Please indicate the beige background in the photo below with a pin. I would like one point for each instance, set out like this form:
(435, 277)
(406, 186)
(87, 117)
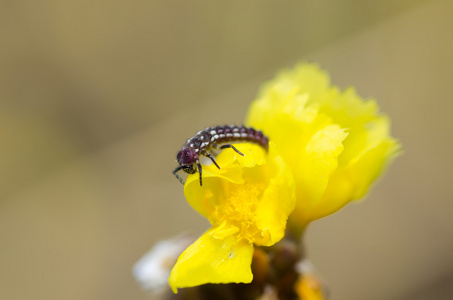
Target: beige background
(97, 96)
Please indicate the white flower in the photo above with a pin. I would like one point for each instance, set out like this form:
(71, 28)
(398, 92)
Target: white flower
(153, 269)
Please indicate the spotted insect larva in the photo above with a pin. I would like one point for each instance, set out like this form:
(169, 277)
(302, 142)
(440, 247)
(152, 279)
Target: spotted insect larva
(189, 156)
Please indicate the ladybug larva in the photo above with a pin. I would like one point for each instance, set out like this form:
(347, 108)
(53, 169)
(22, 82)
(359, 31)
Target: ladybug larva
(205, 140)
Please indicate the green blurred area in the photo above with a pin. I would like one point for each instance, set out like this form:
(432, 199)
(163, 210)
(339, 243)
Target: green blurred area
(96, 97)
(79, 75)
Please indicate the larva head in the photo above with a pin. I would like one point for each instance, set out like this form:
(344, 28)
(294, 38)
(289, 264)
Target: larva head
(186, 157)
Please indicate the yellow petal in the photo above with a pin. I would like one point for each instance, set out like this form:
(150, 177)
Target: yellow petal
(276, 203)
(353, 182)
(205, 198)
(314, 168)
(211, 260)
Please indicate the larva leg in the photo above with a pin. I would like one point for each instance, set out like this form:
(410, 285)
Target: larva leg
(200, 170)
(211, 157)
(232, 147)
(174, 173)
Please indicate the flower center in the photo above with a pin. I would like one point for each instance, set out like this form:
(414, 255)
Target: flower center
(238, 211)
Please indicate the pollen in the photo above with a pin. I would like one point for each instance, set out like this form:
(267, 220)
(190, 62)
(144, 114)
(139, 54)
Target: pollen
(238, 210)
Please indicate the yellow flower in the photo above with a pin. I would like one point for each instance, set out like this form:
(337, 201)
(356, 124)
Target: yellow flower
(309, 287)
(335, 143)
(247, 202)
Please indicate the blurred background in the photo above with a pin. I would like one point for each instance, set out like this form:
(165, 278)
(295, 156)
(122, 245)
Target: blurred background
(97, 97)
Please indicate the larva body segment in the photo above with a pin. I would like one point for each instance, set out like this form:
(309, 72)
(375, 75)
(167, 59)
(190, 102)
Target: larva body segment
(205, 140)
